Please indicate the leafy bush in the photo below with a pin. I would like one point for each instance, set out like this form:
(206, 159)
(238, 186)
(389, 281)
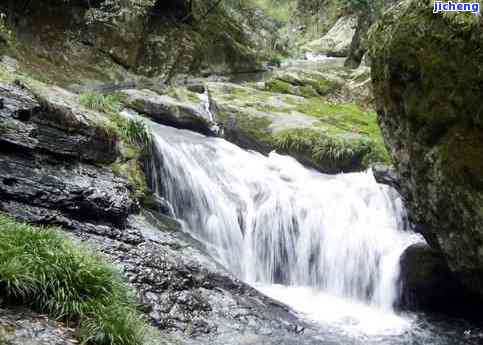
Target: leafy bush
(44, 270)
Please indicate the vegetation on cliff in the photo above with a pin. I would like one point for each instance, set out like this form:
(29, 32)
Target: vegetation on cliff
(44, 270)
(136, 139)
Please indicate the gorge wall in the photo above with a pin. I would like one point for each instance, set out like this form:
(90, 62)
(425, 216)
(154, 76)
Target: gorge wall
(426, 74)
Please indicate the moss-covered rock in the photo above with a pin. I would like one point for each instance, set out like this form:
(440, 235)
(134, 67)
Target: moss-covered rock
(427, 77)
(328, 136)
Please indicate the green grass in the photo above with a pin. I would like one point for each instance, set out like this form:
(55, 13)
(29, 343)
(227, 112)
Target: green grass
(101, 102)
(133, 131)
(136, 140)
(42, 269)
(320, 146)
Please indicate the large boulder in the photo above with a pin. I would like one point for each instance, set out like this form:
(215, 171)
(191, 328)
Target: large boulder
(338, 40)
(426, 282)
(428, 82)
(169, 111)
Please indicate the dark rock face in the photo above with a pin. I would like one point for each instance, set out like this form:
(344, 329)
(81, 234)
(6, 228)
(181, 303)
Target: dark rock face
(22, 327)
(427, 80)
(52, 124)
(187, 296)
(386, 175)
(81, 191)
(427, 283)
(102, 40)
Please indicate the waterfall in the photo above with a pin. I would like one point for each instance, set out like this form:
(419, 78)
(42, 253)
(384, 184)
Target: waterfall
(270, 220)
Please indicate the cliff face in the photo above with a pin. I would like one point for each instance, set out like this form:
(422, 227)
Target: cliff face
(427, 77)
(113, 41)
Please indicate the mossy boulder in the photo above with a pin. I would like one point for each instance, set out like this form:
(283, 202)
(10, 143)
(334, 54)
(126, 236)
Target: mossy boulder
(428, 81)
(328, 136)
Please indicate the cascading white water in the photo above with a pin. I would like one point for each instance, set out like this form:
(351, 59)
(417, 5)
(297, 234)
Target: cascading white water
(271, 220)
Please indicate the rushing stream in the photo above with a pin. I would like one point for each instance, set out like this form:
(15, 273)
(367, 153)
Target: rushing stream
(328, 246)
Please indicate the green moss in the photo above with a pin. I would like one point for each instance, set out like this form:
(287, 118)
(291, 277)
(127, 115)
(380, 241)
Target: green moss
(308, 91)
(324, 86)
(42, 269)
(279, 86)
(462, 153)
(329, 153)
(5, 75)
(255, 127)
(412, 61)
(136, 140)
(183, 94)
(130, 167)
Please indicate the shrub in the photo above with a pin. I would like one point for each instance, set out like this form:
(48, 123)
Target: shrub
(42, 269)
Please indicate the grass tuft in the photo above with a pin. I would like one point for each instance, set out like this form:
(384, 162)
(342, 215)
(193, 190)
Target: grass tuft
(330, 151)
(134, 131)
(104, 103)
(42, 269)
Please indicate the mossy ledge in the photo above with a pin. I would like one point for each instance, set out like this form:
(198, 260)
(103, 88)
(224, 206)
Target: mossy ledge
(42, 269)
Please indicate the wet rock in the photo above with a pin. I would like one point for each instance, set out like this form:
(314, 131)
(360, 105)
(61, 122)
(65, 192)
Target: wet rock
(23, 327)
(386, 175)
(84, 192)
(48, 121)
(169, 111)
(427, 283)
(432, 124)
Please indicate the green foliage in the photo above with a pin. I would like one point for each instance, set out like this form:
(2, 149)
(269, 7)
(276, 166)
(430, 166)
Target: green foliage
(280, 10)
(356, 5)
(133, 131)
(42, 269)
(104, 103)
(136, 139)
(6, 35)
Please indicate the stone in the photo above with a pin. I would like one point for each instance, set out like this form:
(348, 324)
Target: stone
(387, 175)
(338, 40)
(24, 327)
(169, 111)
(426, 283)
(50, 120)
(428, 83)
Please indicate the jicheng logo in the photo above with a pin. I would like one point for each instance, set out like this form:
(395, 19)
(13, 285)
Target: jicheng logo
(473, 7)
